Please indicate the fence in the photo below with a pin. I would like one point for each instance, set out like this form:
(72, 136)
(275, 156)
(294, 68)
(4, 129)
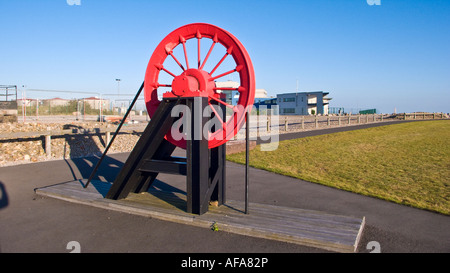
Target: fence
(294, 123)
(100, 137)
(8, 92)
(414, 116)
(36, 104)
(46, 137)
(8, 103)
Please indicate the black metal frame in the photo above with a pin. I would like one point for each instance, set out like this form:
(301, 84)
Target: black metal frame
(94, 171)
(204, 168)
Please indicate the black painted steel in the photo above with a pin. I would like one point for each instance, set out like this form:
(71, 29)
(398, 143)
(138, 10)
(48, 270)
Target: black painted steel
(94, 171)
(247, 159)
(204, 168)
(151, 145)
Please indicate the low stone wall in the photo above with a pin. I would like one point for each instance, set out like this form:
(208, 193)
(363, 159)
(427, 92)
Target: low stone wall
(32, 149)
(8, 111)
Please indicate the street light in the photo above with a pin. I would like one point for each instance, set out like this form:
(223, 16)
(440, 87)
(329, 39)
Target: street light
(118, 86)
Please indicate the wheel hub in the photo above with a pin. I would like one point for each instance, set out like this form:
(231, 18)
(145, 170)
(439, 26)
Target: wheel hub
(192, 83)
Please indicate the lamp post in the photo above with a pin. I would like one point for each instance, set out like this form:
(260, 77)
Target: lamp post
(118, 86)
(78, 109)
(24, 106)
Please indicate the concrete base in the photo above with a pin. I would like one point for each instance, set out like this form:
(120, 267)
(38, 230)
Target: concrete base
(304, 227)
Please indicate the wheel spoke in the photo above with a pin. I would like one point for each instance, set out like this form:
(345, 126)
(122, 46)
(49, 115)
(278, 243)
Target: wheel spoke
(217, 115)
(199, 36)
(222, 102)
(168, 72)
(161, 67)
(156, 85)
(225, 88)
(240, 89)
(223, 74)
(183, 41)
(176, 60)
(229, 50)
(198, 47)
(237, 69)
(217, 65)
(215, 40)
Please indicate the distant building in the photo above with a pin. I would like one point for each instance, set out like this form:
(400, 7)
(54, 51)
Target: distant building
(232, 96)
(26, 102)
(303, 103)
(336, 110)
(268, 103)
(261, 95)
(56, 102)
(368, 111)
(96, 102)
(342, 111)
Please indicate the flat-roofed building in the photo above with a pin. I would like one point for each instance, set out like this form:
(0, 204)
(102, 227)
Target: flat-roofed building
(303, 103)
(232, 96)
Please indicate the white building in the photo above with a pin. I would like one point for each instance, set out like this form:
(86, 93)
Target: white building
(303, 103)
(96, 102)
(232, 96)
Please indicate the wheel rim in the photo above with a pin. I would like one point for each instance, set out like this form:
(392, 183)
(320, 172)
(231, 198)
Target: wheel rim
(199, 79)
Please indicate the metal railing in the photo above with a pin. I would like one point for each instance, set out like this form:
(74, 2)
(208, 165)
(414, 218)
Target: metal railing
(8, 92)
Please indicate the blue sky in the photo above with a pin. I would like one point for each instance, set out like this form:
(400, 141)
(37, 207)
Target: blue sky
(393, 55)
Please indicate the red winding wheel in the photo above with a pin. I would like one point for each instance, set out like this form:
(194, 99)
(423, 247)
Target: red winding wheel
(170, 72)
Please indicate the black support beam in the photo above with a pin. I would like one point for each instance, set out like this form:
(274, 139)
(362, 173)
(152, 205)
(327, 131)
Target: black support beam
(204, 168)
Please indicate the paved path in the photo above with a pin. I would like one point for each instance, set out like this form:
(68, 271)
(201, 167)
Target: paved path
(30, 223)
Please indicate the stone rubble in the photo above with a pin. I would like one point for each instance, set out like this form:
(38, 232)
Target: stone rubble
(32, 149)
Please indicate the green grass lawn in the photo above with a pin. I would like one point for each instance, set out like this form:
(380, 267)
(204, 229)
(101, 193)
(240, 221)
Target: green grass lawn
(406, 163)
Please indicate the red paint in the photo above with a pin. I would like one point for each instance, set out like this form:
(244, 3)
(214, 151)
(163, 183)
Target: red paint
(196, 82)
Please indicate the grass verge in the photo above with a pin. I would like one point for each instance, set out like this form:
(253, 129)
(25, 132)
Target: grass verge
(406, 163)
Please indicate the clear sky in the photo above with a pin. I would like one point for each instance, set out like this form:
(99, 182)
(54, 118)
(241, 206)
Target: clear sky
(393, 55)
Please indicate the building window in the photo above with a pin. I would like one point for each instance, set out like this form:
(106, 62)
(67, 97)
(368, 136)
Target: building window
(288, 110)
(288, 99)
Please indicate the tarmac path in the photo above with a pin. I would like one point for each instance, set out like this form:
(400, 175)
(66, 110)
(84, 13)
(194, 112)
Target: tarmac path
(31, 223)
